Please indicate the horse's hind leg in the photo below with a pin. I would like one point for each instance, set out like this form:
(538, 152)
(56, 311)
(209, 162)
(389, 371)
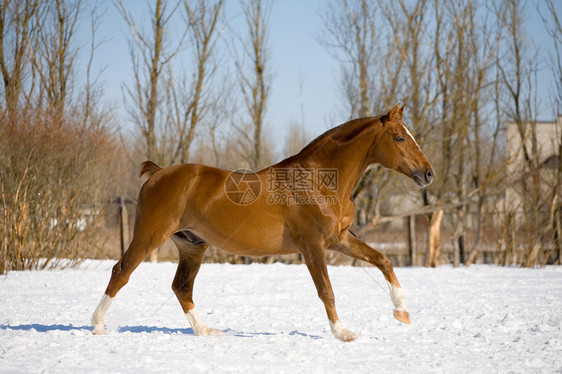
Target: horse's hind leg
(352, 246)
(191, 250)
(141, 246)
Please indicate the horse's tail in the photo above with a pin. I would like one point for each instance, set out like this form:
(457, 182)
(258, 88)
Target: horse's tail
(148, 168)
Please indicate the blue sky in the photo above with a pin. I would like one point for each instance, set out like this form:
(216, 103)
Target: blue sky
(306, 77)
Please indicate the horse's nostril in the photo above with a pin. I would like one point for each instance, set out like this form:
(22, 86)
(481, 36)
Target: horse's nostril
(429, 175)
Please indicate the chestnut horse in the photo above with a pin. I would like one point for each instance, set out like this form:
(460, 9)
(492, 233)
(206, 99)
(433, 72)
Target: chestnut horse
(301, 204)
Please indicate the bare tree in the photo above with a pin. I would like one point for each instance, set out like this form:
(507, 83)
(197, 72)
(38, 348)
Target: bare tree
(454, 64)
(553, 24)
(18, 29)
(54, 155)
(55, 56)
(465, 46)
(352, 37)
(517, 70)
(150, 53)
(409, 22)
(192, 101)
(91, 90)
(352, 34)
(255, 78)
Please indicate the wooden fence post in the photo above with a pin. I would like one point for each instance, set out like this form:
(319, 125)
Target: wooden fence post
(412, 239)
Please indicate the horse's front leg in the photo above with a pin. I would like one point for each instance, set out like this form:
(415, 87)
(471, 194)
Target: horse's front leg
(316, 263)
(352, 246)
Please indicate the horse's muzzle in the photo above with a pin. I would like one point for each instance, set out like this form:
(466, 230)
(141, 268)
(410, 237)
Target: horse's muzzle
(422, 178)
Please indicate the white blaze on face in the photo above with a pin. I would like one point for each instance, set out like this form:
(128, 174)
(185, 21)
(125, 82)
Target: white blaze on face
(410, 134)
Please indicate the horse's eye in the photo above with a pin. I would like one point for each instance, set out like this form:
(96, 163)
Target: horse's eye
(400, 139)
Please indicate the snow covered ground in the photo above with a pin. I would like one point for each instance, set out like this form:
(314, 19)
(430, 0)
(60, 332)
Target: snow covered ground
(482, 319)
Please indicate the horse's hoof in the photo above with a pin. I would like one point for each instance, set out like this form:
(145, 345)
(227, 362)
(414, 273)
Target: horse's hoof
(349, 337)
(345, 335)
(342, 333)
(207, 331)
(402, 316)
(214, 332)
(97, 332)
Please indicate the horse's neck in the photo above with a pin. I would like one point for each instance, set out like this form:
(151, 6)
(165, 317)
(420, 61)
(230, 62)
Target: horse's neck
(344, 148)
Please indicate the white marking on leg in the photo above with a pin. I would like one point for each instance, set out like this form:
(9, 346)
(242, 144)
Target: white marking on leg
(398, 298)
(199, 328)
(196, 323)
(341, 332)
(100, 313)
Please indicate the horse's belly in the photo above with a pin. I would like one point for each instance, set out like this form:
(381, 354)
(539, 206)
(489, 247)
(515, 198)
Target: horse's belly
(244, 233)
(251, 227)
(259, 243)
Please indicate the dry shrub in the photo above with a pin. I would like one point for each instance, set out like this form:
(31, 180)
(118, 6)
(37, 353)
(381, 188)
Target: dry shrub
(54, 176)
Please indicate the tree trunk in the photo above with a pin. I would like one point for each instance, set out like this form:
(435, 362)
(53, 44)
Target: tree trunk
(123, 224)
(458, 241)
(474, 250)
(558, 235)
(434, 253)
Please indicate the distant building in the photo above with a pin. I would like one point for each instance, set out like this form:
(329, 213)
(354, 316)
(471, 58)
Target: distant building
(548, 146)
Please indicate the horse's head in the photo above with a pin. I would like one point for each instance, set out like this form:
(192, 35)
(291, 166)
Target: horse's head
(395, 148)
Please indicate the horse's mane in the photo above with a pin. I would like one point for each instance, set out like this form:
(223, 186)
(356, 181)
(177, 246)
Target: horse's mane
(354, 126)
(344, 132)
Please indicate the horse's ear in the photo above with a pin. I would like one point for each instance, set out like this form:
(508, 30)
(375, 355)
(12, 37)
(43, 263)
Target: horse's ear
(402, 111)
(392, 115)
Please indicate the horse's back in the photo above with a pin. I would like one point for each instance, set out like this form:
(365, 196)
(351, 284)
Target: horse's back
(221, 207)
